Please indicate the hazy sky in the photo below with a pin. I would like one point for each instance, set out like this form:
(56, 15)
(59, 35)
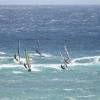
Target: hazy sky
(48, 2)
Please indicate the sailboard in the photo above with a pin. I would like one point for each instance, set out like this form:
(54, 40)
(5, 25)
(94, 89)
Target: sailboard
(27, 63)
(64, 66)
(66, 59)
(17, 55)
(38, 51)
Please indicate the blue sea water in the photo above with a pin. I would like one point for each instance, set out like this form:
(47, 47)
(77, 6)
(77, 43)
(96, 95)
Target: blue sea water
(77, 27)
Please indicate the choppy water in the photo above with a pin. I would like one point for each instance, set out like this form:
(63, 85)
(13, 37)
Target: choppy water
(77, 27)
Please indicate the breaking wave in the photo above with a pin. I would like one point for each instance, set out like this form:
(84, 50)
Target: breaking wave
(47, 55)
(2, 53)
(84, 61)
(17, 72)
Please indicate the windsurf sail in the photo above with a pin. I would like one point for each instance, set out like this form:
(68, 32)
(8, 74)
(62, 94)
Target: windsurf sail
(19, 49)
(38, 44)
(38, 51)
(27, 61)
(62, 56)
(66, 59)
(17, 55)
(67, 53)
(27, 58)
(64, 62)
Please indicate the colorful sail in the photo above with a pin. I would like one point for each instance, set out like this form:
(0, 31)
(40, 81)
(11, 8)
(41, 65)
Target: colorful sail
(27, 64)
(27, 58)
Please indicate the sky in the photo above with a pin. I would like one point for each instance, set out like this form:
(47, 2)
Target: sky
(49, 2)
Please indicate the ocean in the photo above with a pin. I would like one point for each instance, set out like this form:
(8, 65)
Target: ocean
(77, 27)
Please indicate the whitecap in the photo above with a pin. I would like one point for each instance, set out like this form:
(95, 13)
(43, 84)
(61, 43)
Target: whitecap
(9, 65)
(3, 57)
(68, 89)
(55, 79)
(43, 54)
(35, 69)
(86, 96)
(54, 66)
(86, 60)
(70, 98)
(17, 72)
(2, 53)
(47, 55)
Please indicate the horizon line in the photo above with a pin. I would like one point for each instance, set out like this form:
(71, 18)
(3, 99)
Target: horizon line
(49, 4)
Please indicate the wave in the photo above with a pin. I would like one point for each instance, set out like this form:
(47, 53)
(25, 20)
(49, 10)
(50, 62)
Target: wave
(54, 66)
(86, 96)
(9, 65)
(3, 57)
(47, 55)
(17, 66)
(86, 60)
(68, 89)
(75, 98)
(70, 98)
(2, 53)
(54, 21)
(17, 72)
(35, 67)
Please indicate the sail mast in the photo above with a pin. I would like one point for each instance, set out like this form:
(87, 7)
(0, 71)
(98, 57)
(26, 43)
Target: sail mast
(67, 53)
(19, 49)
(38, 49)
(38, 46)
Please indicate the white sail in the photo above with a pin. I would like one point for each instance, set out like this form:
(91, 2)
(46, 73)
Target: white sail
(17, 55)
(61, 56)
(67, 53)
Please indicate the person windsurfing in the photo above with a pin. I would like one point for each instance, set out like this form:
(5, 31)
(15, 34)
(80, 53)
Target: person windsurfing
(17, 55)
(38, 52)
(38, 49)
(27, 63)
(66, 60)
